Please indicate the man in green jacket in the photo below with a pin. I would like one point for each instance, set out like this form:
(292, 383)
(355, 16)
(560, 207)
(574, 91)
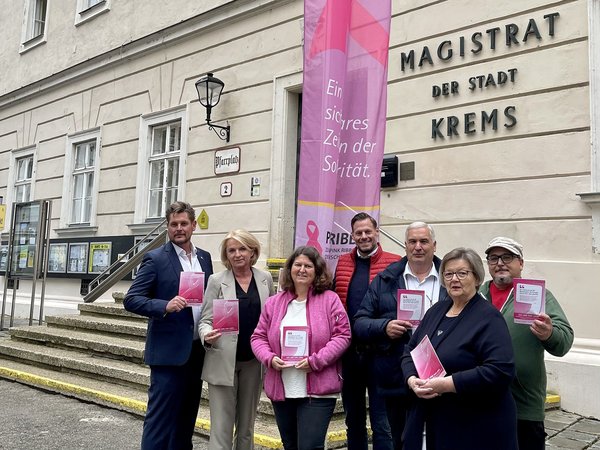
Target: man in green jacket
(550, 332)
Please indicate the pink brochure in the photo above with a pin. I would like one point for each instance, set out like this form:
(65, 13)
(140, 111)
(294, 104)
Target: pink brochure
(411, 306)
(191, 287)
(426, 360)
(226, 316)
(294, 345)
(530, 299)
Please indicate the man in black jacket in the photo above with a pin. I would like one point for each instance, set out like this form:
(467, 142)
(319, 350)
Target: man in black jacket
(376, 323)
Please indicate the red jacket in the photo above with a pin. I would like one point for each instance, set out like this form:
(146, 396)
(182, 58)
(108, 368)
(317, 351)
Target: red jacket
(347, 264)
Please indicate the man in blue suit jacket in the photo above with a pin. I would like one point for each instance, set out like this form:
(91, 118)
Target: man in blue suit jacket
(173, 351)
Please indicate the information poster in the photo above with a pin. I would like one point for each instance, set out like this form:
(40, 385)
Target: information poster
(57, 258)
(530, 300)
(191, 287)
(426, 360)
(411, 306)
(77, 261)
(99, 259)
(295, 343)
(226, 315)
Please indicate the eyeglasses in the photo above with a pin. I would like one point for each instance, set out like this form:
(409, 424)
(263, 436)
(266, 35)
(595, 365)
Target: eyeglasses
(506, 258)
(461, 275)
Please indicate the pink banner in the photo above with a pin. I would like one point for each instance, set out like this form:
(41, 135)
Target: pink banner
(343, 119)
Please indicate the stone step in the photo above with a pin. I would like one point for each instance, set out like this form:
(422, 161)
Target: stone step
(108, 309)
(112, 325)
(93, 365)
(78, 362)
(131, 349)
(552, 401)
(134, 401)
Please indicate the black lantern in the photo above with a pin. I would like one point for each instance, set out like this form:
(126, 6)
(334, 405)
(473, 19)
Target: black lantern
(209, 93)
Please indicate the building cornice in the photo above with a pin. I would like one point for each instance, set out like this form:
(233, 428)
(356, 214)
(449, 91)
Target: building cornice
(233, 10)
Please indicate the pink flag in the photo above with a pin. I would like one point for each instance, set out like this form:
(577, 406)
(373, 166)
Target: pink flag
(343, 119)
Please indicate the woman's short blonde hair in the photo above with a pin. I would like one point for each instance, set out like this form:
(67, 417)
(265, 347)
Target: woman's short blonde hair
(246, 239)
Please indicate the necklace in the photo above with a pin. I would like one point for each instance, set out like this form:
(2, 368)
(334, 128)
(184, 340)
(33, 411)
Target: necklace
(451, 313)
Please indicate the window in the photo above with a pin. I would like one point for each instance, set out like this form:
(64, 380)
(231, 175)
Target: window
(80, 189)
(161, 164)
(88, 9)
(164, 167)
(34, 30)
(23, 178)
(83, 182)
(36, 24)
(38, 19)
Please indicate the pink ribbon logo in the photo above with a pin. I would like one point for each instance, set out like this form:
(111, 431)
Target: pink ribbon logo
(312, 231)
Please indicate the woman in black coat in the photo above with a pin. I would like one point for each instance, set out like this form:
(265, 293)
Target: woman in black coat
(471, 408)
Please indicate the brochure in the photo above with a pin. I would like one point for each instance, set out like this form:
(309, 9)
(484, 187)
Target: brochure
(411, 306)
(295, 343)
(426, 360)
(191, 287)
(226, 316)
(530, 299)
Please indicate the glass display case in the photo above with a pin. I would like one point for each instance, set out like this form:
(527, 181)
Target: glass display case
(99, 259)
(57, 258)
(26, 228)
(27, 253)
(77, 258)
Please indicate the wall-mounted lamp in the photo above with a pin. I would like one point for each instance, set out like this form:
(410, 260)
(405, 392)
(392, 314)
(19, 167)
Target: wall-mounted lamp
(209, 93)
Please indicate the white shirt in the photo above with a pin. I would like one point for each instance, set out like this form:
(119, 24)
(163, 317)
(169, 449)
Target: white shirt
(294, 380)
(189, 263)
(430, 285)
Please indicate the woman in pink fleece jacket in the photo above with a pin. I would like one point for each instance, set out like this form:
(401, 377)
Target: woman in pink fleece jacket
(304, 381)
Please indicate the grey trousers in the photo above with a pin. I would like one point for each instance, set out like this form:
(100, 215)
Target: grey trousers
(235, 407)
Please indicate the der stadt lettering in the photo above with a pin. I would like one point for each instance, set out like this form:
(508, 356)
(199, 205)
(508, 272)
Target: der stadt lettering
(509, 35)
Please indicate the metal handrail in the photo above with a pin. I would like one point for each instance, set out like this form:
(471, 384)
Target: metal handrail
(392, 238)
(125, 264)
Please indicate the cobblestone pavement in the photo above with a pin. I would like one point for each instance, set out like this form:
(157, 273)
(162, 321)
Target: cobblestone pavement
(571, 431)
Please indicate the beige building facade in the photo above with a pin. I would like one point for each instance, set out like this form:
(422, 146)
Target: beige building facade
(493, 112)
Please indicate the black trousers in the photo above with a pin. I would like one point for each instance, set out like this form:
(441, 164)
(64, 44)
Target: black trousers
(531, 435)
(396, 407)
(303, 422)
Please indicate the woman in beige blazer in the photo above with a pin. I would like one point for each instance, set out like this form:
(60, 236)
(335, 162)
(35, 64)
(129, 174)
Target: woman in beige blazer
(232, 372)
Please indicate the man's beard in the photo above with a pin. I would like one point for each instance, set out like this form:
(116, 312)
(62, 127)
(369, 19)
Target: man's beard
(503, 280)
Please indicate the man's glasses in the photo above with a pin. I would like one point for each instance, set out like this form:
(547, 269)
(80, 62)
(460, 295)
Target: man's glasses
(506, 258)
(461, 275)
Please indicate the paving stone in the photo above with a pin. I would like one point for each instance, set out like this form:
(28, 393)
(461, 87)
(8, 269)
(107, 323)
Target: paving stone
(562, 442)
(587, 426)
(585, 438)
(552, 425)
(562, 416)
